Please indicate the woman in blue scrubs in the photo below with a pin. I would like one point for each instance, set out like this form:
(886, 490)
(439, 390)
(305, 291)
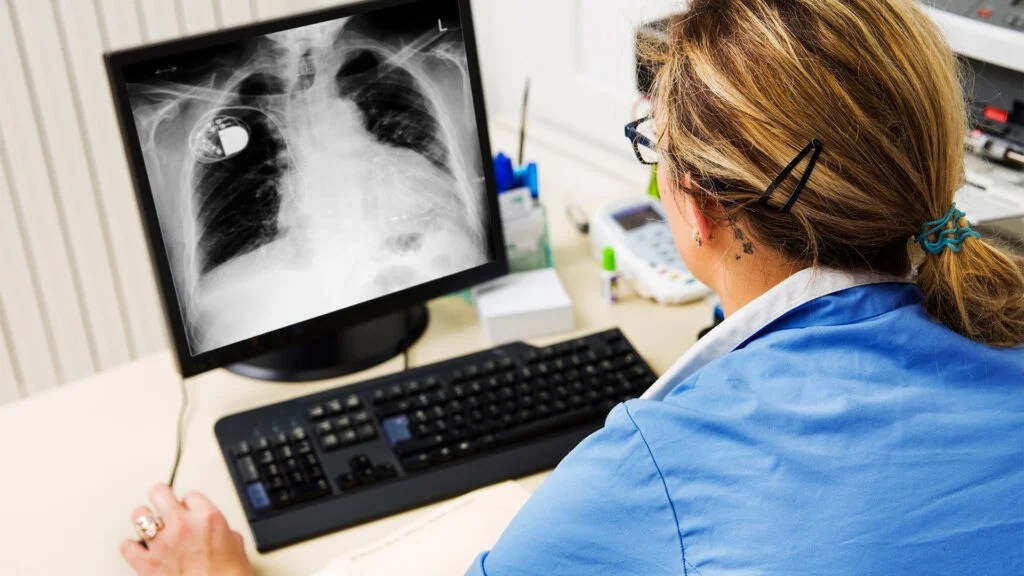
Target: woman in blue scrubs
(861, 409)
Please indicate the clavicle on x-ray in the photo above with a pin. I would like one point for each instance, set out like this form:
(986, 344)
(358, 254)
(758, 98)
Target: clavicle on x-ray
(303, 172)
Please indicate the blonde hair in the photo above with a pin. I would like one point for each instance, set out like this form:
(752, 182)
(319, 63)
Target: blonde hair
(746, 84)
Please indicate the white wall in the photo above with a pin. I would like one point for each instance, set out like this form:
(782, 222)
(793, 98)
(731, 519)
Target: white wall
(578, 55)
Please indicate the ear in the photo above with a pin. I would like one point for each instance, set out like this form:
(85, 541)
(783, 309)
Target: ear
(698, 218)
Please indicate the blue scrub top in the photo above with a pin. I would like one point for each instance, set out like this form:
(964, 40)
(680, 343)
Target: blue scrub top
(853, 436)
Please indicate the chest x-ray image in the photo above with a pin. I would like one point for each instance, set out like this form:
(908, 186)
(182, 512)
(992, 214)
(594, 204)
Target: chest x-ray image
(309, 170)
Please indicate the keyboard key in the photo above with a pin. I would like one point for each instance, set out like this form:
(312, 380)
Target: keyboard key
(421, 401)
(275, 483)
(242, 449)
(352, 402)
(342, 422)
(247, 469)
(360, 418)
(330, 442)
(279, 439)
(418, 445)
(348, 437)
(540, 427)
(258, 498)
(386, 471)
(316, 413)
(367, 475)
(282, 498)
(298, 434)
(397, 429)
(324, 427)
(464, 448)
(285, 452)
(416, 462)
(333, 407)
(413, 388)
(260, 443)
(303, 447)
(380, 396)
(311, 491)
(395, 392)
(366, 432)
(360, 461)
(265, 457)
(348, 481)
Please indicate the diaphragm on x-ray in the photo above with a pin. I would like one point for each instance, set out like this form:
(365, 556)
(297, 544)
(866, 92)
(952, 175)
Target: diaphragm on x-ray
(306, 171)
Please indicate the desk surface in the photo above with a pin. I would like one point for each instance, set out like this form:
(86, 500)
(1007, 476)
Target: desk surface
(76, 460)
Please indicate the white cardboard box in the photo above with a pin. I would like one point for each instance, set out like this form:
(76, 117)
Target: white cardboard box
(524, 305)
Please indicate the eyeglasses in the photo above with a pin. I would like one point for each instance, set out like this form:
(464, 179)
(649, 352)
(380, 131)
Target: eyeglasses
(642, 133)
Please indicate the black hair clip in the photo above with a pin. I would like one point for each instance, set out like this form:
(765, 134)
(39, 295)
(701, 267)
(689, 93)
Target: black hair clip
(815, 146)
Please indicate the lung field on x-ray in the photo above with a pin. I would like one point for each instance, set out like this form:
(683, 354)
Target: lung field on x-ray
(309, 170)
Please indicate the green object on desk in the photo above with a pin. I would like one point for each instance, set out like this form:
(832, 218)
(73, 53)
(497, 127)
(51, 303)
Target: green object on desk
(652, 188)
(609, 259)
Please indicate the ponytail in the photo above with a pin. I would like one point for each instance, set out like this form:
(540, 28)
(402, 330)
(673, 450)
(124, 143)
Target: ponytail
(978, 292)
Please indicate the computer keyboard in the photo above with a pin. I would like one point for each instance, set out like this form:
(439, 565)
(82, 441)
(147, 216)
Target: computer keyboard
(332, 460)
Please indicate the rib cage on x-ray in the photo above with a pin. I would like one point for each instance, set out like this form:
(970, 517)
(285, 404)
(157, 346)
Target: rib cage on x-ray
(335, 165)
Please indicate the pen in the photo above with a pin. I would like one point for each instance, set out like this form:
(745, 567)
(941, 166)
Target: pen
(522, 123)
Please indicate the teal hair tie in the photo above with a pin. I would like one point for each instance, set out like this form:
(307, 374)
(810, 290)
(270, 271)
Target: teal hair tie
(952, 238)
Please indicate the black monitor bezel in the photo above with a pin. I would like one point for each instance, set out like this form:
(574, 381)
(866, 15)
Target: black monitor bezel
(190, 365)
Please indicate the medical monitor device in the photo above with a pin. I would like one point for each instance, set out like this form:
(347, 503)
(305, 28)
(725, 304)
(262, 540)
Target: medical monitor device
(307, 183)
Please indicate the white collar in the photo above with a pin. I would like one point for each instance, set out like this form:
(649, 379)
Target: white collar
(800, 288)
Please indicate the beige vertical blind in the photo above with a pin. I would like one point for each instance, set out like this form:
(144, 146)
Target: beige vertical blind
(77, 294)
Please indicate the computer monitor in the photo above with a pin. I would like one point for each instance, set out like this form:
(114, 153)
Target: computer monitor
(308, 183)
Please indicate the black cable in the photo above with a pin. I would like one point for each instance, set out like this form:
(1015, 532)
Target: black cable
(408, 344)
(180, 434)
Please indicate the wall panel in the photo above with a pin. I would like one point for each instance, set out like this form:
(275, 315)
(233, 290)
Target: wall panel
(73, 184)
(86, 41)
(21, 315)
(198, 15)
(8, 381)
(32, 185)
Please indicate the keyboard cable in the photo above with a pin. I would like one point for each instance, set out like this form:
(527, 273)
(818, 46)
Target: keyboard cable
(179, 437)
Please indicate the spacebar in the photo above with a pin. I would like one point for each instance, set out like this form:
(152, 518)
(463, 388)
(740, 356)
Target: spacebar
(540, 427)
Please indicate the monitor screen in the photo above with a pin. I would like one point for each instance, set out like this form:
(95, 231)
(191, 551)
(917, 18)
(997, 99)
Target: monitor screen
(310, 166)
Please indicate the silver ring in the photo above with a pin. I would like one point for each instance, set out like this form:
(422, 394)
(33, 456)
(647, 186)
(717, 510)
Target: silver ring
(148, 525)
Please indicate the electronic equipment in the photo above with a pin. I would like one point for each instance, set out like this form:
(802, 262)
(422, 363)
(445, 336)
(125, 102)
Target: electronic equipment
(645, 250)
(990, 31)
(317, 464)
(308, 183)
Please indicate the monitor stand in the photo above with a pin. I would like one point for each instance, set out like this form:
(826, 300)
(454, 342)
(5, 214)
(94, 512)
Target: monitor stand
(354, 349)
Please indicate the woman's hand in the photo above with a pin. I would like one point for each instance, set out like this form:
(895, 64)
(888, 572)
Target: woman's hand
(195, 540)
